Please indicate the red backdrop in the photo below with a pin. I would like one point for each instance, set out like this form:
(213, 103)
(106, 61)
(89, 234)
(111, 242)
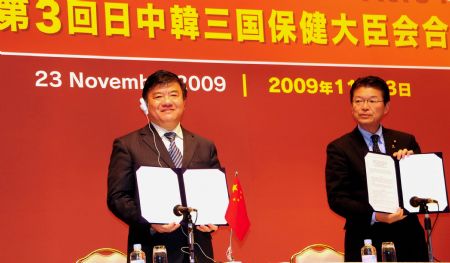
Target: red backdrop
(273, 130)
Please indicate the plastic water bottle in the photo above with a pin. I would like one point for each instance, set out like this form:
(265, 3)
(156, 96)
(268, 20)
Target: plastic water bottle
(368, 252)
(137, 256)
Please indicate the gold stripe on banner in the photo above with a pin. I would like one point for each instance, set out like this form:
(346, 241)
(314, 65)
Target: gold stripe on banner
(244, 85)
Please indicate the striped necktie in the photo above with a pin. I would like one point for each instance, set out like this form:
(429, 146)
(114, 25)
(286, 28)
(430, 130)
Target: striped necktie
(174, 152)
(375, 147)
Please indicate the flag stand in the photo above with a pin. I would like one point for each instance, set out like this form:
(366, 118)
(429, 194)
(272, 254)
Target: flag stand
(229, 252)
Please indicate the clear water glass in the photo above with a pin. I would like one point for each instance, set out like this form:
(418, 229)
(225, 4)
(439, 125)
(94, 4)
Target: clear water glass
(159, 254)
(388, 252)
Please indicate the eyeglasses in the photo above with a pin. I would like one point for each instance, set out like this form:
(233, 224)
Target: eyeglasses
(371, 101)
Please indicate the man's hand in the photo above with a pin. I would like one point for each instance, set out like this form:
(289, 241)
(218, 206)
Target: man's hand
(165, 228)
(207, 228)
(390, 218)
(402, 153)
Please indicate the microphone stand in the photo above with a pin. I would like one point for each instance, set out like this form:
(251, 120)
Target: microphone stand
(190, 238)
(427, 223)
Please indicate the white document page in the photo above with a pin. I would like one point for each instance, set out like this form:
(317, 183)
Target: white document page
(159, 193)
(381, 182)
(206, 191)
(422, 175)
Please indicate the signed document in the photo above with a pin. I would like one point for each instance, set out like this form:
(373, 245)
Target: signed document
(382, 182)
(422, 175)
(392, 184)
(161, 189)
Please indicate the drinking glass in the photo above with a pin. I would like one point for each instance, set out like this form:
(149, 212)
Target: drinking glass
(388, 252)
(159, 254)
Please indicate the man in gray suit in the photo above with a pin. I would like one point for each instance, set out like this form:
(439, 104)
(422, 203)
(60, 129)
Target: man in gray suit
(165, 97)
(346, 177)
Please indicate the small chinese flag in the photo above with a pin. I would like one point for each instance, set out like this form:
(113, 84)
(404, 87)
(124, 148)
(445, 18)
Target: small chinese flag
(236, 215)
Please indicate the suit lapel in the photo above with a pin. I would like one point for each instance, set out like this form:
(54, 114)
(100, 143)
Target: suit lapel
(360, 149)
(359, 144)
(390, 141)
(147, 137)
(189, 147)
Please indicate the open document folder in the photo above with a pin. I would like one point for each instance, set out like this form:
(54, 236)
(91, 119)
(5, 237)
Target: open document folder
(392, 184)
(161, 189)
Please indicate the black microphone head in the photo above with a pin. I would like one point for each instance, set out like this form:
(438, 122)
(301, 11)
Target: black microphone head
(177, 210)
(414, 201)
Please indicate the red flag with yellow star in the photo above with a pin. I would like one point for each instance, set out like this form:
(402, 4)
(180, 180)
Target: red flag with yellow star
(236, 215)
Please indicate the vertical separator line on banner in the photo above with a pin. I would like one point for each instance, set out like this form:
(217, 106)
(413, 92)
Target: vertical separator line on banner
(244, 85)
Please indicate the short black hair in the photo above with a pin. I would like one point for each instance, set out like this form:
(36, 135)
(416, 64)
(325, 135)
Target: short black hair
(372, 82)
(162, 77)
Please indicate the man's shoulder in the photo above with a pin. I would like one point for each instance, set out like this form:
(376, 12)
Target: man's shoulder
(397, 133)
(346, 138)
(355, 134)
(196, 137)
(133, 134)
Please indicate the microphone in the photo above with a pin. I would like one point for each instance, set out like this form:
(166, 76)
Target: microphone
(180, 210)
(416, 201)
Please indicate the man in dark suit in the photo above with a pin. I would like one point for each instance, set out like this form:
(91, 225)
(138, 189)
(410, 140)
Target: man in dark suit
(164, 94)
(346, 177)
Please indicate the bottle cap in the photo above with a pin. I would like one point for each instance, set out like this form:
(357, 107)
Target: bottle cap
(367, 242)
(137, 247)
